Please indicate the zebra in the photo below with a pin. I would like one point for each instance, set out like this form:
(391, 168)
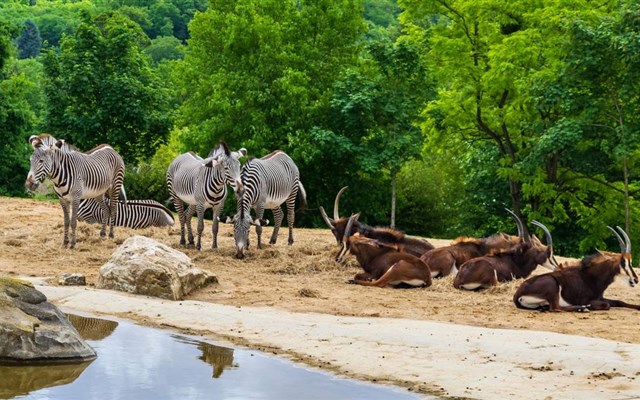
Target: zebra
(268, 182)
(97, 174)
(201, 184)
(136, 214)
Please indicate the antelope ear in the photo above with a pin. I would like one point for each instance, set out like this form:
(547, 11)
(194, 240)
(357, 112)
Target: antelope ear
(600, 252)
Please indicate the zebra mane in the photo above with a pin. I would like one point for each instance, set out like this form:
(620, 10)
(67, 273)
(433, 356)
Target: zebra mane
(273, 153)
(49, 140)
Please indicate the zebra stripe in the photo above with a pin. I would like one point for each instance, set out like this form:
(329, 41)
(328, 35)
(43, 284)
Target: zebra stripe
(135, 214)
(201, 184)
(96, 174)
(268, 182)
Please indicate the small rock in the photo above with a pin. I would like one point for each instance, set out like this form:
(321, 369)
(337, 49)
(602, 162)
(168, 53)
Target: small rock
(72, 280)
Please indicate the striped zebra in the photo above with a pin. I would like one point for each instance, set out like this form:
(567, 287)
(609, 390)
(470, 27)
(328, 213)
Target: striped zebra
(268, 182)
(97, 174)
(136, 214)
(201, 184)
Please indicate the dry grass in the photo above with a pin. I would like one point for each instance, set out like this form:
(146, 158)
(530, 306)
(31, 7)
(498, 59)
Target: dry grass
(302, 277)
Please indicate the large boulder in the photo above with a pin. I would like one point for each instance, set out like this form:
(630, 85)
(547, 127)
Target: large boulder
(33, 330)
(144, 266)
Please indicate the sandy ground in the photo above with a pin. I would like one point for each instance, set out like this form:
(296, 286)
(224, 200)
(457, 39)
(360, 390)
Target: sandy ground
(295, 301)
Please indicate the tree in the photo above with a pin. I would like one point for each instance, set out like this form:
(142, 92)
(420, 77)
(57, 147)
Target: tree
(259, 71)
(101, 89)
(29, 41)
(16, 120)
(488, 59)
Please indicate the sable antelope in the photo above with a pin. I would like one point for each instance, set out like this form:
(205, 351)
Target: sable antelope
(519, 261)
(445, 260)
(581, 287)
(382, 262)
(412, 245)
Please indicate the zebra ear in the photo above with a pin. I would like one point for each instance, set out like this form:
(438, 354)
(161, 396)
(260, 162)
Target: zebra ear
(35, 142)
(211, 162)
(60, 143)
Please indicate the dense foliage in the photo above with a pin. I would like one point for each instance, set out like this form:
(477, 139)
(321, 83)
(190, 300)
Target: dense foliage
(437, 114)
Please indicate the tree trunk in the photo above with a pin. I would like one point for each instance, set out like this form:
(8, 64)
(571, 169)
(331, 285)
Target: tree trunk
(393, 199)
(627, 210)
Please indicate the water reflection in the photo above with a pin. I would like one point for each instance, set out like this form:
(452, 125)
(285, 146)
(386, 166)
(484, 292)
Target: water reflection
(17, 381)
(141, 363)
(92, 328)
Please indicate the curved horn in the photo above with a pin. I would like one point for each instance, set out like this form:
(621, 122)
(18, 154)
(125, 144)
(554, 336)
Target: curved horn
(330, 223)
(623, 245)
(518, 222)
(626, 239)
(347, 231)
(547, 234)
(336, 203)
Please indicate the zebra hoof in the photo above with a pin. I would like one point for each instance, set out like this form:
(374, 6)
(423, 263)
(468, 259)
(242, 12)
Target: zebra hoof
(272, 241)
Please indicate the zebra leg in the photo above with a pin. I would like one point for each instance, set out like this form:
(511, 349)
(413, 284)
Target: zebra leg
(105, 215)
(65, 211)
(75, 204)
(113, 209)
(214, 225)
(278, 215)
(291, 214)
(259, 215)
(190, 211)
(200, 214)
(179, 205)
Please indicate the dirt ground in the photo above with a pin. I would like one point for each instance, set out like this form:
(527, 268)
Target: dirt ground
(300, 278)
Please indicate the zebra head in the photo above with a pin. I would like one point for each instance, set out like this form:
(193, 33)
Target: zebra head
(242, 222)
(230, 161)
(41, 161)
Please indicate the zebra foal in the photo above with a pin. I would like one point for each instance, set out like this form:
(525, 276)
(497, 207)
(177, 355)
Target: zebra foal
(268, 182)
(200, 184)
(135, 214)
(97, 174)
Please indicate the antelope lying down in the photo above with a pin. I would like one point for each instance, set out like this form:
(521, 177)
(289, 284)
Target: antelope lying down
(382, 262)
(580, 287)
(412, 245)
(516, 262)
(445, 261)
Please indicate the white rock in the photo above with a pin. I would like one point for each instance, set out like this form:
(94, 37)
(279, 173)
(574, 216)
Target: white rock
(145, 266)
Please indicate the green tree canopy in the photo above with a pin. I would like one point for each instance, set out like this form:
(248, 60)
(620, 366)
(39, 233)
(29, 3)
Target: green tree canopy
(101, 89)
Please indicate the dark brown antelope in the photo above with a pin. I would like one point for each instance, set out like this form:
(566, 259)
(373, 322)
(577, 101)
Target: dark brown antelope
(581, 287)
(519, 261)
(412, 245)
(445, 261)
(383, 263)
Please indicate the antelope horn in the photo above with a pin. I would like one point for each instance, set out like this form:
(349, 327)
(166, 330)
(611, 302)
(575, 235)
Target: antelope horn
(623, 245)
(330, 223)
(347, 231)
(626, 239)
(547, 234)
(336, 204)
(518, 222)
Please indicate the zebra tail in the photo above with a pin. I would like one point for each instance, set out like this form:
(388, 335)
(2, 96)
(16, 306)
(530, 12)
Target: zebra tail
(302, 194)
(123, 195)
